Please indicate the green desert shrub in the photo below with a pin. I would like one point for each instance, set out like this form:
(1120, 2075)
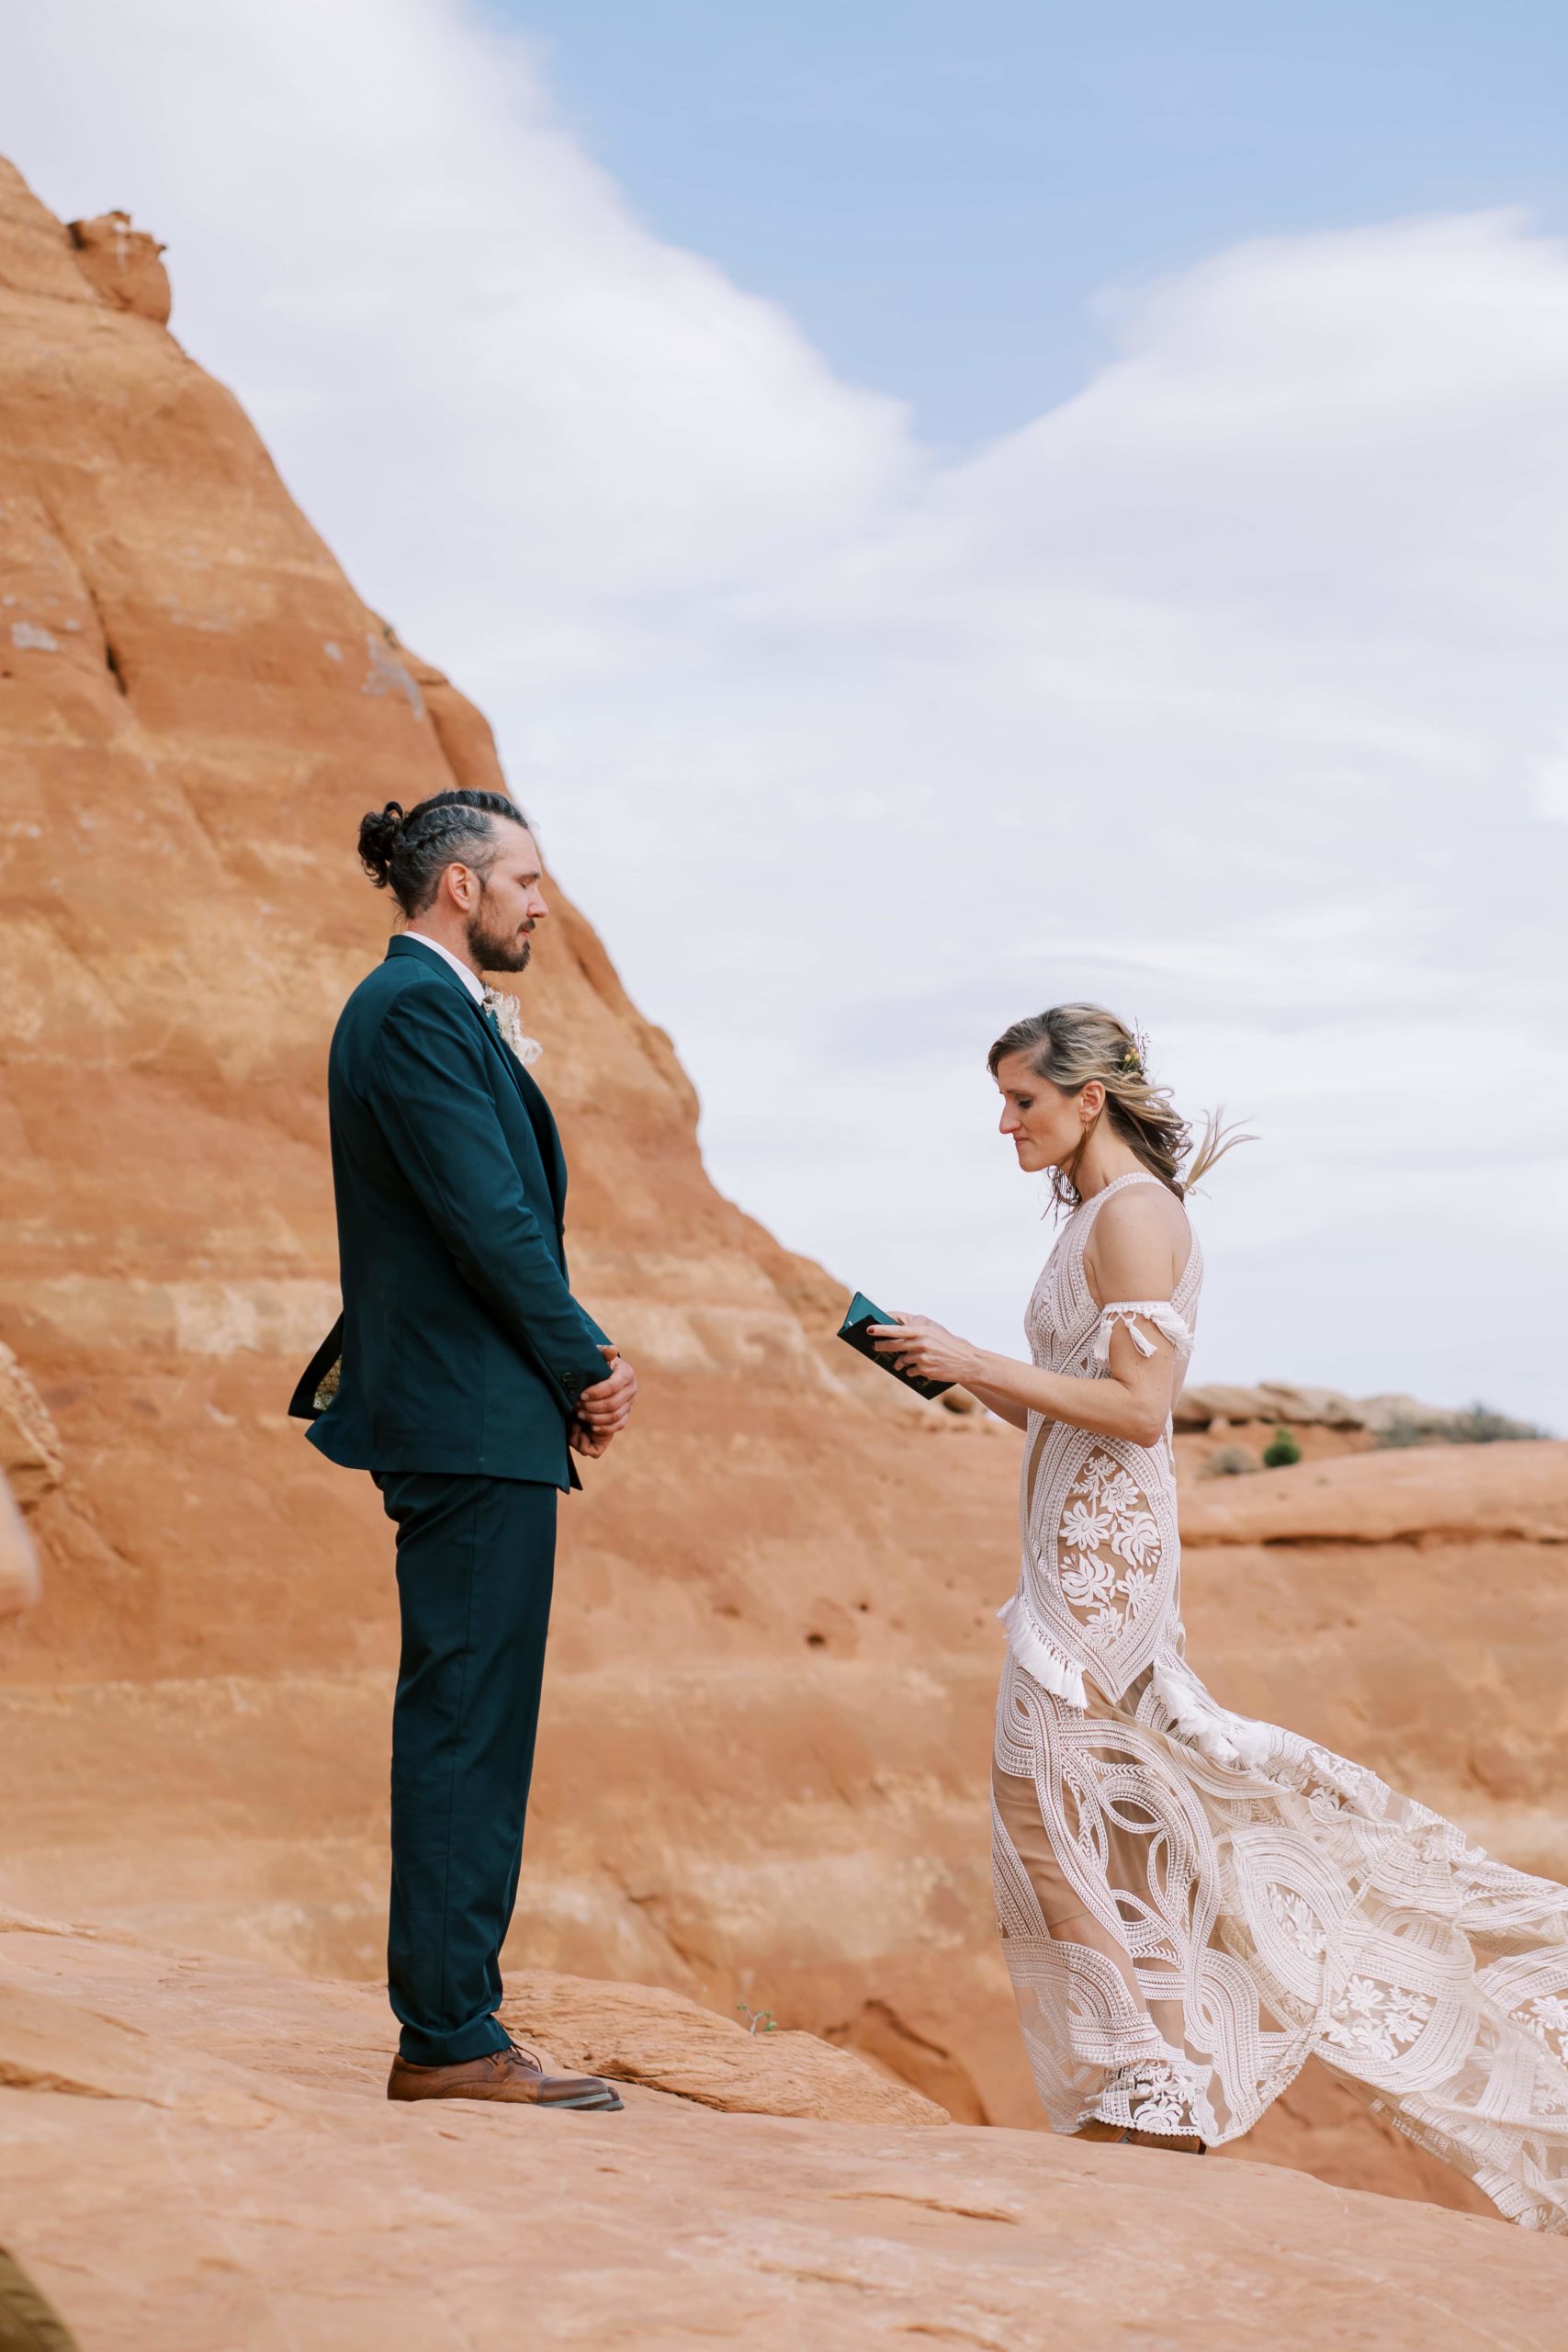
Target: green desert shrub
(1282, 1450)
(1229, 1461)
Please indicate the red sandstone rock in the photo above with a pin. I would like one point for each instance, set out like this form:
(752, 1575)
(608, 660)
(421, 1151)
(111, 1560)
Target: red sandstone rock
(1515, 1492)
(125, 265)
(635, 2034)
(199, 2154)
(30, 1458)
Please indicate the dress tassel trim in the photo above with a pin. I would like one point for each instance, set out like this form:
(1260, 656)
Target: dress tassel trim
(1157, 1311)
(1034, 1654)
(1222, 1737)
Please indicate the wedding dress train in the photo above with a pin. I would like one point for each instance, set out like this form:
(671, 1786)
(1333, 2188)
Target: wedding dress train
(1192, 1904)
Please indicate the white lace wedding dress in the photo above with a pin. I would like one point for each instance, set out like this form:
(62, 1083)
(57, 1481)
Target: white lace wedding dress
(1192, 1904)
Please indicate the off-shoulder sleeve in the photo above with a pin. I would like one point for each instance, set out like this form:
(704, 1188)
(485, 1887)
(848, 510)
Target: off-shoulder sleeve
(1157, 1311)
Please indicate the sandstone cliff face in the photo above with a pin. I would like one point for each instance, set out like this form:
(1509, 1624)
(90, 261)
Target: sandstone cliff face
(763, 1767)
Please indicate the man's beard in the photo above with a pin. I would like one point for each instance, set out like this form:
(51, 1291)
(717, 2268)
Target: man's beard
(491, 954)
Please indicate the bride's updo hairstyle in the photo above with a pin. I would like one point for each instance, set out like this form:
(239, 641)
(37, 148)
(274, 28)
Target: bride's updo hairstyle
(408, 855)
(1074, 1043)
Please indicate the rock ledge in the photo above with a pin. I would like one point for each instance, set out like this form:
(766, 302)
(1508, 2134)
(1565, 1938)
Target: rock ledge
(199, 2151)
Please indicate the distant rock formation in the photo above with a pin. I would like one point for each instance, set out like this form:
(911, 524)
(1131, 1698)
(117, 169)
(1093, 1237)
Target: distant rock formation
(1273, 1401)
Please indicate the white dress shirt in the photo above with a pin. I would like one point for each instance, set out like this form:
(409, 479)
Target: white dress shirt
(470, 980)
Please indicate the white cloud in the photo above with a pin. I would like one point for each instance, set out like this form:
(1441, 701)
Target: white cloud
(1230, 690)
(1548, 780)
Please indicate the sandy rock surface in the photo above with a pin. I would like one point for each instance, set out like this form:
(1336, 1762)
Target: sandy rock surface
(195, 2155)
(762, 1770)
(637, 2034)
(30, 1457)
(1512, 1492)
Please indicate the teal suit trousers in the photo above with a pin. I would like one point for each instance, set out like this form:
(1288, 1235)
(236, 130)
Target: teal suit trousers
(476, 1564)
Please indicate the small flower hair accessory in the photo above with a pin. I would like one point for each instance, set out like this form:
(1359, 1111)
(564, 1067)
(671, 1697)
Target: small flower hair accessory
(1135, 1060)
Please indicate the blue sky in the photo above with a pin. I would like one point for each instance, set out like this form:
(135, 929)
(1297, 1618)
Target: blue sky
(1095, 496)
(939, 194)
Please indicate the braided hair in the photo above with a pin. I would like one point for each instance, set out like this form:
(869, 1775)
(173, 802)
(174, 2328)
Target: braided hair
(409, 854)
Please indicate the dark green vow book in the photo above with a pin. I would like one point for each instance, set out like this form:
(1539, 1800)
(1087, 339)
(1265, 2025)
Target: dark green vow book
(853, 1331)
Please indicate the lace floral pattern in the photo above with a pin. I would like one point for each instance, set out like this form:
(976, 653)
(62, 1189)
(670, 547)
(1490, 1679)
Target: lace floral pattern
(1377, 2020)
(1192, 1905)
(1108, 1543)
(1547, 2019)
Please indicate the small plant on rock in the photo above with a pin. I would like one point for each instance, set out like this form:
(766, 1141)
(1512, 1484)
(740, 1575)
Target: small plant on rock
(757, 2020)
(1282, 1450)
(1229, 1461)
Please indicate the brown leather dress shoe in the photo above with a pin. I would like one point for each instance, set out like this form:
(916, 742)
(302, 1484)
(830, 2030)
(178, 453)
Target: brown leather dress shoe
(514, 2075)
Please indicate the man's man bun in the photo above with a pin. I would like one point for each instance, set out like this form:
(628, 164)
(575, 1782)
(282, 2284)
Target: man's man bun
(378, 837)
(408, 854)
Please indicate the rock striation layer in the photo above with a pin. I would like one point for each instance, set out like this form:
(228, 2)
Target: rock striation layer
(762, 1775)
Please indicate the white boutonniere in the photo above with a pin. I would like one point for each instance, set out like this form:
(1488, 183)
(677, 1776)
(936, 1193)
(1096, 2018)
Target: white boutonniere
(509, 1015)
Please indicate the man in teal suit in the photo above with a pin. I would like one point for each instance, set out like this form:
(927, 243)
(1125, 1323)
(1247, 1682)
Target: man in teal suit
(463, 1376)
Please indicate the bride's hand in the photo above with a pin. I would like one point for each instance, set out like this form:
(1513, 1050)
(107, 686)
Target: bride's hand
(917, 1344)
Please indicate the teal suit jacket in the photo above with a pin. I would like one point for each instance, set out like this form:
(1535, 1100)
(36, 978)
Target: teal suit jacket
(462, 1348)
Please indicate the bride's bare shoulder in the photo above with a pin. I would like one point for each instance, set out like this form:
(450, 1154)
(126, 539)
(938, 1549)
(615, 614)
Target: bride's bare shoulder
(1139, 1242)
(1141, 1208)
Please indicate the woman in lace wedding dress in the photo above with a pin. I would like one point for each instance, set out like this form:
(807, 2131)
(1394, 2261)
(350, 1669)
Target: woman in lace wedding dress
(1192, 1904)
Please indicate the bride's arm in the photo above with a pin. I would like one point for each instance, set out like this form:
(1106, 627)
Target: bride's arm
(1134, 1259)
(995, 1401)
(1134, 1402)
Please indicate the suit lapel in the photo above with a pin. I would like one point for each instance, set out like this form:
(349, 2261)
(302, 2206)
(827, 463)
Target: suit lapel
(541, 1119)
